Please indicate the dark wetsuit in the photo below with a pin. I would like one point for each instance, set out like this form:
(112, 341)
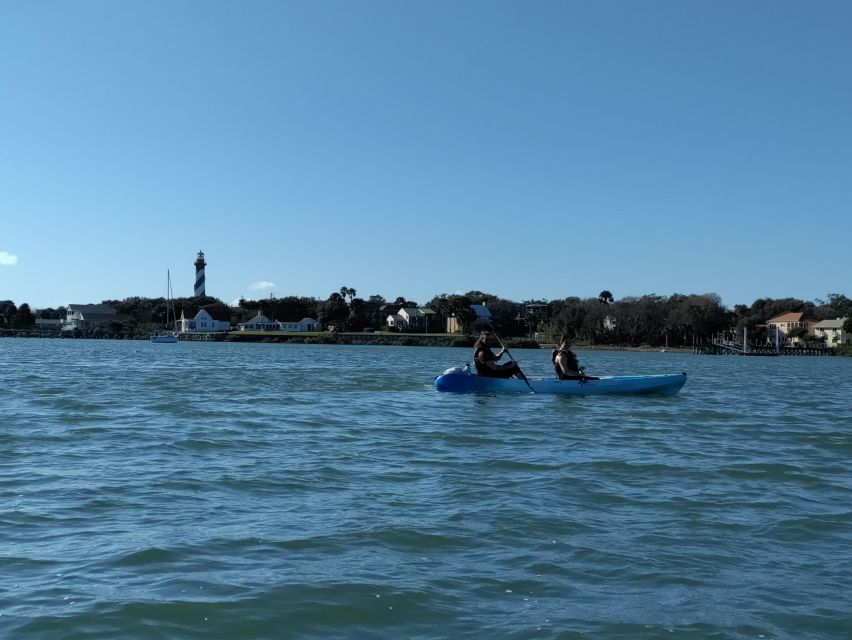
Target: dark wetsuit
(483, 355)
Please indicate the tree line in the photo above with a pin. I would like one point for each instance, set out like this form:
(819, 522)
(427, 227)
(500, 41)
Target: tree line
(677, 320)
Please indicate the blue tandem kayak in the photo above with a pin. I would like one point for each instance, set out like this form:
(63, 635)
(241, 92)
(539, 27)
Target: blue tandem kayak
(461, 380)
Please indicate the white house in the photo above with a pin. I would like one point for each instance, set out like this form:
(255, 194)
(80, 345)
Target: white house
(412, 319)
(305, 324)
(259, 323)
(203, 322)
(832, 331)
(88, 316)
(395, 320)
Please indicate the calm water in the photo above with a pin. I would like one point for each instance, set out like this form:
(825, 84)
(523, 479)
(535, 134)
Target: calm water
(296, 491)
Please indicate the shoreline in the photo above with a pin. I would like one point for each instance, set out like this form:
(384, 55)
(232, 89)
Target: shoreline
(391, 339)
(342, 338)
(383, 339)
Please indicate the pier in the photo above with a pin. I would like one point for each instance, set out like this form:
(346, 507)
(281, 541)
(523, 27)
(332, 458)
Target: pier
(29, 333)
(722, 347)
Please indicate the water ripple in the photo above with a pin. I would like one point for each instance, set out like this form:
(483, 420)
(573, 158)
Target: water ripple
(250, 491)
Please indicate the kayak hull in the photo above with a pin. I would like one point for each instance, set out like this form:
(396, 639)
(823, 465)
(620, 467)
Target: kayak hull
(461, 381)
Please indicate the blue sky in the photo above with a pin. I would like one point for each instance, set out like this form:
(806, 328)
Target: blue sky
(527, 149)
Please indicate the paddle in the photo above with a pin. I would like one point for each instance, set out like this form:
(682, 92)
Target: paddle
(506, 351)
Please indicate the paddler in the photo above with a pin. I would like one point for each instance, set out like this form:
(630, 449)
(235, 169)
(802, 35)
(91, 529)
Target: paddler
(486, 360)
(565, 362)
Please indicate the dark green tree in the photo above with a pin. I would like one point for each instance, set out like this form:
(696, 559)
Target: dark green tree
(401, 301)
(358, 319)
(375, 312)
(567, 318)
(839, 305)
(24, 318)
(347, 292)
(8, 310)
(291, 308)
(334, 312)
(52, 314)
(799, 333)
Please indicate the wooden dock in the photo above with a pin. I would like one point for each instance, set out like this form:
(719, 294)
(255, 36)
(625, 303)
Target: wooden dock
(719, 347)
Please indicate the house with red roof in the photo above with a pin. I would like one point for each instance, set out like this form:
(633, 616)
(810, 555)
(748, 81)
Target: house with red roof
(785, 323)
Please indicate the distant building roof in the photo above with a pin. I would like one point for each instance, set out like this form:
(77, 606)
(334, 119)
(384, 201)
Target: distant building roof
(481, 310)
(417, 311)
(215, 314)
(836, 323)
(787, 317)
(98, 309)
(258, 318)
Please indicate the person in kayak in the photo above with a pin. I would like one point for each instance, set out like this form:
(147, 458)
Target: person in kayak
(486, 361)
(565, 362)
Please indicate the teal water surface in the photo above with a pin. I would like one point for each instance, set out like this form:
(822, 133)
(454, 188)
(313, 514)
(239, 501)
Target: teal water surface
(304, 491)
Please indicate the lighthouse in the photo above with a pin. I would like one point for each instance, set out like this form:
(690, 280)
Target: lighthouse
(199, 274)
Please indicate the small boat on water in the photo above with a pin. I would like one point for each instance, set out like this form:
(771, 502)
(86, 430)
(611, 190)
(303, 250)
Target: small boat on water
(461, 380)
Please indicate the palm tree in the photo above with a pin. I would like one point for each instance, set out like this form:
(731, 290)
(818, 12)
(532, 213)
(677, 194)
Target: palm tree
(347, 292)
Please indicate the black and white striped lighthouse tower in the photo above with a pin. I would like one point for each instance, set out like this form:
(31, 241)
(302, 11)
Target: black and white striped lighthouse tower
(199, 274)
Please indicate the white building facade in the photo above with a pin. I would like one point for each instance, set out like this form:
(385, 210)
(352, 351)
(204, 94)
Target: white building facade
(88, 316)
(203, 322)
(259, 323)
(305, 324)
(412, 319)
(832, 331)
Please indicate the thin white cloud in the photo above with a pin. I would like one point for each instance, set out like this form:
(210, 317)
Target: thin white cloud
(8, 259)
(262, 286)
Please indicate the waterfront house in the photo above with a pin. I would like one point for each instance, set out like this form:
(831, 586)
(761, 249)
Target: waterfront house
(417, 319)
(786, 323)
(832, 331)
(259, 323)
(88, 316)
(412, 319)
(395, 321)
(305, 324)
(203, 322)
(481, 320)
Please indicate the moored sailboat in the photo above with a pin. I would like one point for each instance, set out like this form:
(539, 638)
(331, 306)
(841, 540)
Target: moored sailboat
(167, 337)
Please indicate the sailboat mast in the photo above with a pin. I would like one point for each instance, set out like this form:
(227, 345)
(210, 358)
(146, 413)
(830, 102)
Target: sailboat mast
(168, 295)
